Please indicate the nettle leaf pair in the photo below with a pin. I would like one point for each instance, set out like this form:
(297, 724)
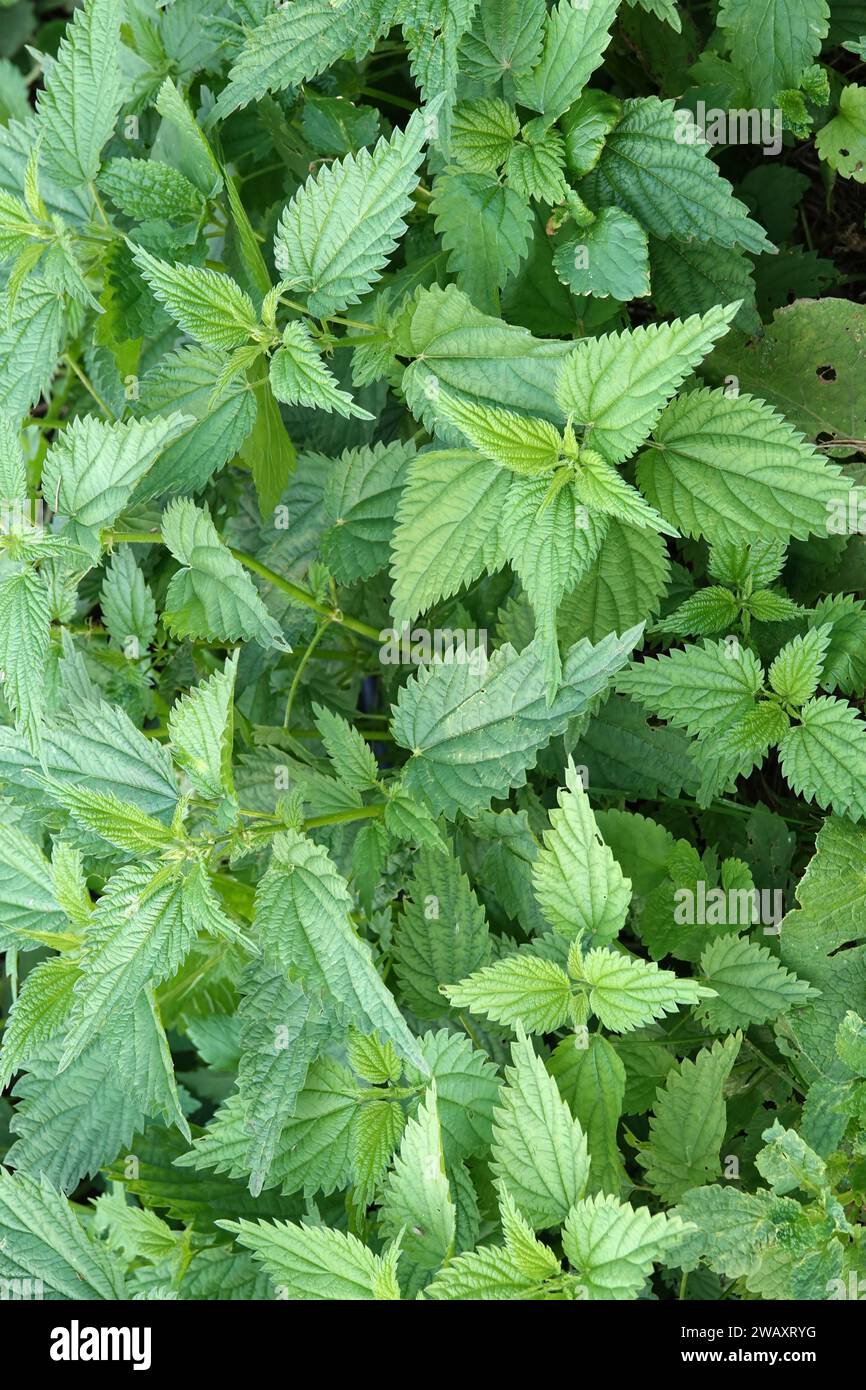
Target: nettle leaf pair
(331, 244)
(584, 896)
(719, 692)
(551, 521)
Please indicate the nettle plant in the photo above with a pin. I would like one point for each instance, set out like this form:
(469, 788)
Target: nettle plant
(343, 960)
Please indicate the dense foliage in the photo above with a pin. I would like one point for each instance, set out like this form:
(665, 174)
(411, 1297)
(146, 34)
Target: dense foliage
(432, 753)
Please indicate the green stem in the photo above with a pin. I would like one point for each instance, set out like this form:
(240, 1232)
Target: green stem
(771, 1066)
(333, 615)
(98, 201)
(316, 822)
(88, 385)
(343, 817)
(311, 647)
(303, 596)
(389, 97)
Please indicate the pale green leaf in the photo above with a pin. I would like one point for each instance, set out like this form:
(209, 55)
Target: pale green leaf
(472, 734)
(200, 730)
(212, 596)
(688, 1125)
(626, 993)
(337, 233)
(539, 1151)
(612, 1246)
(578, 883)
(82, 96)
(616, 386)
(302, 912)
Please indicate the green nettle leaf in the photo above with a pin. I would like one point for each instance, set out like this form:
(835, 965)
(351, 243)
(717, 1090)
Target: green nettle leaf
(728, 468)
(83, 92)
(144, 188)
(24, 635)
(535, 166)
(592, 1079)
(44, 1240)
(750, 984)
(431, 563)
(302, 911)
(298, 42)
(703, 689)
(507, 36)
(313, 1262)
(280, 1032)
(28, 903)
(338, 231)
(200, 732)
(127, 603)
(31, 332)
(300, 377)
(845, 659)
(428, 428)
(608, 258)
(519, 442)
(710, 610)
(550, 540)
(208, 305)
(485, 227)
(353, 759)
(69, 1126)
(266, 447)
(519, 989)
(91, 471)
(659, 171)
(417, 1207)
(824, 756)
(578, 883)
(696, 275)
(441, 934)
(623, 585)
(787, 1163)
(212, 596)
(139, 934)
(467, 1086)
(842, 142)
(575, 37)
(472, 732)
(771, 48)
(220, 419)
(688, 1124)
(539, 1150)
(470, 354)
(612, 1246)
(376, 1134)
(797, 669)
(625, 994)
(482, 134)
(617, 386)
(118, 822)
(360, 502)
